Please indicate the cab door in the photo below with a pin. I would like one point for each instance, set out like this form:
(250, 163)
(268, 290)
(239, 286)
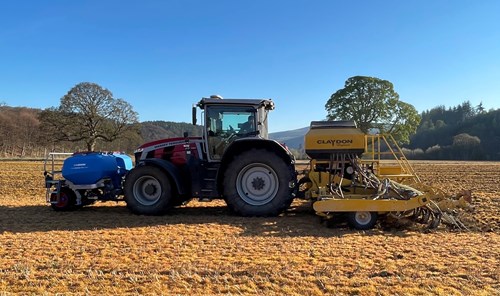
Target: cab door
(224, 124)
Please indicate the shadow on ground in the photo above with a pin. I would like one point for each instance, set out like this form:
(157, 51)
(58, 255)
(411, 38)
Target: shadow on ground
(296, 222)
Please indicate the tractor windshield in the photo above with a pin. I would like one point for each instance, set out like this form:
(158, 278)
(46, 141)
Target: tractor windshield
(226, 123)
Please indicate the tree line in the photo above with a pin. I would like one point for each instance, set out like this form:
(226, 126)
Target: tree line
(20, 132)
(23, 135)
(462, 132)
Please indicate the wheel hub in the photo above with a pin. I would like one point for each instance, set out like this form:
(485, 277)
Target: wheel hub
(149, 189)
(363, 217)
(258, 183)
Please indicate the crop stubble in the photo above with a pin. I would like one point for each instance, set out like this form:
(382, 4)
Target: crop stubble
(203, 249)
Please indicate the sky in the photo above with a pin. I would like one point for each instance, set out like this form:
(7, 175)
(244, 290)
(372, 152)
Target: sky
(164, 56)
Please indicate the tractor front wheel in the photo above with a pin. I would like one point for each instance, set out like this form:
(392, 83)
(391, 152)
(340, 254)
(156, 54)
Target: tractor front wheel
(148, 191)
(258, 183)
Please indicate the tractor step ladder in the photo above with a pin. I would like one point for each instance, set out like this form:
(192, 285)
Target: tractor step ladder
(209, 183)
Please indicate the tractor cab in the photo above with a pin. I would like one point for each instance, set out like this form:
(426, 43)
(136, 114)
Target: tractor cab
(229, 120)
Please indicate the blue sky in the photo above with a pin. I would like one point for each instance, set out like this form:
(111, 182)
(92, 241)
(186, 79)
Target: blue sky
(163, 56)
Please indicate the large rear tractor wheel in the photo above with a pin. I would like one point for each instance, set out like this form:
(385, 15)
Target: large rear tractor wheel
(148, 191)
(362, 220)
(66, 201)
(258, 183)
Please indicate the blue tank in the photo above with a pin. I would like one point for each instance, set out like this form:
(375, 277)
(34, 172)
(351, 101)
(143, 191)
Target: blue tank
(89, 168)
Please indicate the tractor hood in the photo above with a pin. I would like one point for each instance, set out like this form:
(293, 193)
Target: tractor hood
(165, 143)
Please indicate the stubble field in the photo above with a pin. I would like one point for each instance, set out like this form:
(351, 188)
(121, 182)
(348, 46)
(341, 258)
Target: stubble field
(202, 249)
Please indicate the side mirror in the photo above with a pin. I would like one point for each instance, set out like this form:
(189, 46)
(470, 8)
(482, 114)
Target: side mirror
(194, 115)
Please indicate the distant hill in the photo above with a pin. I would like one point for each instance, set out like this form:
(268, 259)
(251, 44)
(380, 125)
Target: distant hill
(156, 130)
(293, 138)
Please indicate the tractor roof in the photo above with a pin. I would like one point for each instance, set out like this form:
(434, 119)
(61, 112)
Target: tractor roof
(268, 104)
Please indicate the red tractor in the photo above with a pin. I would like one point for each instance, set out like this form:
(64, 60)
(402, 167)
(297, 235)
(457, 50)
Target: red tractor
(233, 160)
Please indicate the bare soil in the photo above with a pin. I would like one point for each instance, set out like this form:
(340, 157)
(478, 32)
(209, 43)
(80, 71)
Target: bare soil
(202, 249)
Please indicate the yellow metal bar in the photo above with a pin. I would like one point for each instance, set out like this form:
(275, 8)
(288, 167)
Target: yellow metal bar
(405, 163)
(369, 205)
(378, 147)
(374, 151)
(397, 152)
(373, 147)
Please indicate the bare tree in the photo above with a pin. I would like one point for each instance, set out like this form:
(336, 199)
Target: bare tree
(89, 113)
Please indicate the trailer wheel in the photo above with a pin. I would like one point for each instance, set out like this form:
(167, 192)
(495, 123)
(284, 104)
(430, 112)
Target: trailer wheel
(66, 202)
(258, 183)
(148, 191)
(362, 220)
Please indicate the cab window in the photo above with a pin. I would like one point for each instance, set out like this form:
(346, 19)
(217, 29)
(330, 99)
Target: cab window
(225, 124)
